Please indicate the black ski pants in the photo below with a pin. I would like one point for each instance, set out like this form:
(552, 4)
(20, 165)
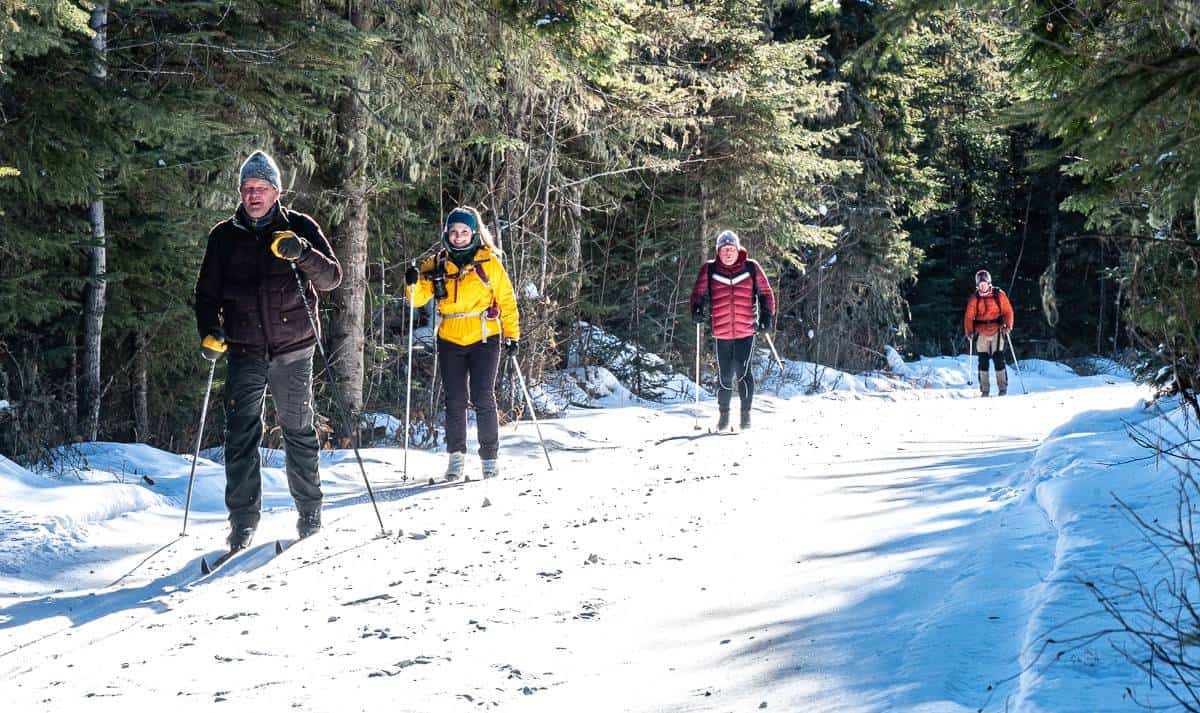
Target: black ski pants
(290, 378)
(471, 370)
(990, 348)
(733, 368)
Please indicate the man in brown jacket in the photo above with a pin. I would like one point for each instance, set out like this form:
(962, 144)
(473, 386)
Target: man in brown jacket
(248, 302)
(987, 322)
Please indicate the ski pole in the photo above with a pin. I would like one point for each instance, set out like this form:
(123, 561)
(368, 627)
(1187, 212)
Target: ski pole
(970, 357)
(187, 505)
(771, 343)
(433, 390)
(408, 380)
(696, 424)
(1008, 338)
(336, 398)
(532, 412)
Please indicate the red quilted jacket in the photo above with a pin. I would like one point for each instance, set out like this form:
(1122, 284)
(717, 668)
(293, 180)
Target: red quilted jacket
(732, 295)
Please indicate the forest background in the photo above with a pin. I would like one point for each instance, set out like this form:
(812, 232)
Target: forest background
(872, 155)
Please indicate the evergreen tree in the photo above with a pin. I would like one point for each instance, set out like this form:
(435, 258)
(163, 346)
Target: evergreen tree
(1110, 84)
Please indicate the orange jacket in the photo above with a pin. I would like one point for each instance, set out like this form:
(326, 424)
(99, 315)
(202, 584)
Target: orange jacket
(985, 313)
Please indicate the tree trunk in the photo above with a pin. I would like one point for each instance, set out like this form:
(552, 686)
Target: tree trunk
(1196, 211)
(94, 292)
(1048, 281)
(575, 246)
(140, 389)
(1117, 320)
(551, 155)
(72, 408)
(1103, 298)
(349, 299)
(510, 196)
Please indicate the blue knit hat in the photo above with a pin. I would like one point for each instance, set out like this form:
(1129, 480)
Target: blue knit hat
(728, 237)
(261, 166)
(466, 217)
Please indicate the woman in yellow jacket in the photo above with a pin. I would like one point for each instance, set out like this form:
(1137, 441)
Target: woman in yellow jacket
(478, 312)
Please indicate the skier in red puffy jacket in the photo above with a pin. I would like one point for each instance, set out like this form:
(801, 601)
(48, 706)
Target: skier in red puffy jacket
(736, 288)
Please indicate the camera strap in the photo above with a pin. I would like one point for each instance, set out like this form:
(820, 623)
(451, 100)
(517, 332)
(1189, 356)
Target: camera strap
(492, 312)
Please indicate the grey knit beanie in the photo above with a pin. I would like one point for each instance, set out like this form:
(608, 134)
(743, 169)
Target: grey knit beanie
(728, 237)
(261, 166)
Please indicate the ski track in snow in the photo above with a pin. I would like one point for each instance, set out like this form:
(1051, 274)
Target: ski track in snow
(845, 554)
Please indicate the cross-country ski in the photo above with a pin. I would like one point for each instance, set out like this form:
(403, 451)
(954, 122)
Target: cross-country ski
(613, 356)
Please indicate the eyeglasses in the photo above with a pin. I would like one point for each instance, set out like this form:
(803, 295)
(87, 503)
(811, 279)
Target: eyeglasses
(256, 190)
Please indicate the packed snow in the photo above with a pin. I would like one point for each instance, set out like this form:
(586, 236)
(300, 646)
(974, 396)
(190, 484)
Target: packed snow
(880, 542)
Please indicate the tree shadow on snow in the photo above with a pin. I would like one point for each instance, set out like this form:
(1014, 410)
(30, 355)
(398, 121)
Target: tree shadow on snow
(944, 616)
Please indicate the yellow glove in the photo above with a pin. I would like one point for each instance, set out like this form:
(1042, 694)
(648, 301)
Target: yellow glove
(286, 245)
(213, 345)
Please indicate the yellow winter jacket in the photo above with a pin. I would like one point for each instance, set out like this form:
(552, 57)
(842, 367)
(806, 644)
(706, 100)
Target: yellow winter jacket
(465, 317)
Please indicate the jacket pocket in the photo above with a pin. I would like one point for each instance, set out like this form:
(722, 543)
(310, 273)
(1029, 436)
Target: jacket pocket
(292, 325)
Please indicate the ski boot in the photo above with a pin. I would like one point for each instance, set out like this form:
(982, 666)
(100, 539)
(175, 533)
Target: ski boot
(240, 536)
(454, 466)
(309, 522)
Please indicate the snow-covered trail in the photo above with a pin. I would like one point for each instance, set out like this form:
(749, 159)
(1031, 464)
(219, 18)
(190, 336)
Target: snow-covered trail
(843, 555)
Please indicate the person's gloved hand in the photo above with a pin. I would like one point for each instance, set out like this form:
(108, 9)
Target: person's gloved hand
(286, 245)
(511, 347)
(698, 312)
(213, 345)
(764, 320)
(411, 275)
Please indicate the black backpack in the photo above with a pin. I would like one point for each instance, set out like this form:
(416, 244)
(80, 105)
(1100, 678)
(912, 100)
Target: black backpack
(750, 265)
(996, 292)
(753, 267)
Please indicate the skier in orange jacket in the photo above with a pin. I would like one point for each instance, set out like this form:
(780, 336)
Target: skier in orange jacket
(987, 322)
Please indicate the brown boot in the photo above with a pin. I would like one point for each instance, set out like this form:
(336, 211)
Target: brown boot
(985, 384)
(1002, 381)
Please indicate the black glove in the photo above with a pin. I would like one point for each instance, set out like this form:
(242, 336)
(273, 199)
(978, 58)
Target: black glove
(764, 320)
(411, 275)
(286, 245)
(698, 312)
(511, 347)
(213, 345)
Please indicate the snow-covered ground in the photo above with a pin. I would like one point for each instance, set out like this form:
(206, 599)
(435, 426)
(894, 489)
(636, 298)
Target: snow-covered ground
(882, 543)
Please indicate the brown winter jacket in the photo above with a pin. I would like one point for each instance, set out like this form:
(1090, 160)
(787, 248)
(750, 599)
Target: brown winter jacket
(252, 295)
(986, 313)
